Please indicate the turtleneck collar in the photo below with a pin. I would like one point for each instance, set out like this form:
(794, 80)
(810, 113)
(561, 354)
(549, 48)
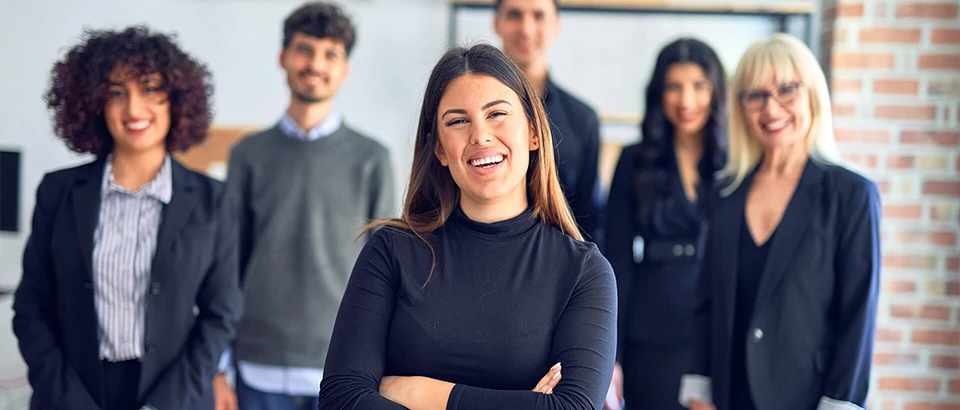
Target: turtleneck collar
(506, 229)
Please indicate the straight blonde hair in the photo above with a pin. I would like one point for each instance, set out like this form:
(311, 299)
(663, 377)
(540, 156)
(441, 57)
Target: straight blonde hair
(780, 58)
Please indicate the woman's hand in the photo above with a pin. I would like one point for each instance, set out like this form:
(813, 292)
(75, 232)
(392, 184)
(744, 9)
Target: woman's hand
(549, 381)
(699, 405)
(416, 392)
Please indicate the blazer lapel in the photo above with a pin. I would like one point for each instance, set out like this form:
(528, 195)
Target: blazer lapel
(86, 209)
(793, 226)
(727, 221)
(175, 214)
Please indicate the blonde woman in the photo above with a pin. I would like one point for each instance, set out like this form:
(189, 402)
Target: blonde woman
(792, 264)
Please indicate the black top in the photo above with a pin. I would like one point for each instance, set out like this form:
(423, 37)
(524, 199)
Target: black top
(658, 281)
(506, 301)
(576, 138)
(751, 262)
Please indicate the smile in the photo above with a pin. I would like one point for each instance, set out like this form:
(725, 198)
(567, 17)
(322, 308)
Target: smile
(775, 126)
(487, 162)
(137, 125)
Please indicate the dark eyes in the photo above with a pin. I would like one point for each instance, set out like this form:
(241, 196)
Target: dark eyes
(461, 120)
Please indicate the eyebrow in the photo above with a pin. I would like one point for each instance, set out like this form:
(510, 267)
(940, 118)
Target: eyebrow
(485, 106)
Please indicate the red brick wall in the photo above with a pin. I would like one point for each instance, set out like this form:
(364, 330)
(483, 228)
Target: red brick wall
(894, 68)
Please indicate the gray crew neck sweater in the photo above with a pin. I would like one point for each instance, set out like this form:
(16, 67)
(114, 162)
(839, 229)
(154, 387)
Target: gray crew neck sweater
(302, 205)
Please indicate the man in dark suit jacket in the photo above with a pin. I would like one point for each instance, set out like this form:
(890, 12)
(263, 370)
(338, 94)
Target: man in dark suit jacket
(528, 28)
(130, 290)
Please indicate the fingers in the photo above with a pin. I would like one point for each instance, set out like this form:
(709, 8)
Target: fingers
(549, 381)
(224, 396)
(618, 381)
(699, 405)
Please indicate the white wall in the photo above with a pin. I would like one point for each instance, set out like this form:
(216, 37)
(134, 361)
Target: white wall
(239, 40)
(398, 43)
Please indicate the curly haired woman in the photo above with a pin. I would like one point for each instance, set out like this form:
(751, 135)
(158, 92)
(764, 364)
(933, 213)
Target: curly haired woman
(130, 288)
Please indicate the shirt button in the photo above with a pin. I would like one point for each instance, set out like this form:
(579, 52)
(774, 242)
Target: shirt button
(756, 335)
(155, 288)
(677, 250)
(689, 249)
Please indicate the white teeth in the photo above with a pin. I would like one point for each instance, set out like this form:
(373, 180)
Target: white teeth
(487, 160)
(138, 125)
(775, 126)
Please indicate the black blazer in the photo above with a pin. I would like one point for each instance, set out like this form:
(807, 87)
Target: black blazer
(195, 267)
(811, 334)
(657, 285)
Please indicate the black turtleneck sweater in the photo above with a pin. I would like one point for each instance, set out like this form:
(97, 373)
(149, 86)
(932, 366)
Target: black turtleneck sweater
(506, 301)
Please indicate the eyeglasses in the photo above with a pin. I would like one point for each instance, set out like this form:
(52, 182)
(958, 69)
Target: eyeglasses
(755, 100)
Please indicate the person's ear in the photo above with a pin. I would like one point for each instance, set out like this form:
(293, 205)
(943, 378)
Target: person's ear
(439, 152)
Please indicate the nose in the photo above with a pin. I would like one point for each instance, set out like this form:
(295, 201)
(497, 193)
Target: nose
(687, 97)
(480, 133)
(136, 104)
(528, 26)
(319, 62)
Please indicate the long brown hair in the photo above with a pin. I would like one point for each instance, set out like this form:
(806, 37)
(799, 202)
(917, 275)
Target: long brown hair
(432, 193)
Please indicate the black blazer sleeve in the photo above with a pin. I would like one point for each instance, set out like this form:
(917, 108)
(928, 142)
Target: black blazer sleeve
(857, 264)
(55, 383)
(619, 232)
(357, 355)
(219, 302)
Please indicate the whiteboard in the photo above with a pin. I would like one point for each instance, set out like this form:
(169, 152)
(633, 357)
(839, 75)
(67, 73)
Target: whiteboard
(606, 58)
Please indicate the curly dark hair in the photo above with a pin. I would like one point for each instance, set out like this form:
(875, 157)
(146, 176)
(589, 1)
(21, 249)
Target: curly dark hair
(656, 147)
(79, 87)
(320, 20)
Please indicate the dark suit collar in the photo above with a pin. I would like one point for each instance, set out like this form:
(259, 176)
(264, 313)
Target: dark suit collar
(175, 215)
(728, 219)
(550, 89)
(86, 206)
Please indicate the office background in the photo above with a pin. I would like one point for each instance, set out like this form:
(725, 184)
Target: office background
(894, 67)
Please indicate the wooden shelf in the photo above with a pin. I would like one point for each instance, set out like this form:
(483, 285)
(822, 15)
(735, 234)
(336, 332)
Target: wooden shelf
(668, 6)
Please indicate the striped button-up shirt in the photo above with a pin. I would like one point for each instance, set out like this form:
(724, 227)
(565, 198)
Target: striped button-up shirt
(124, 244)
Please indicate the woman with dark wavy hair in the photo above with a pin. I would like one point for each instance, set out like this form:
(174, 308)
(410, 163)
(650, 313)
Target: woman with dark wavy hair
(130, 288)
(655, 219)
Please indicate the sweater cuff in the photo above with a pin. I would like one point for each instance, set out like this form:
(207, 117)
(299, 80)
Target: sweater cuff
(695, 387)
(827, 403)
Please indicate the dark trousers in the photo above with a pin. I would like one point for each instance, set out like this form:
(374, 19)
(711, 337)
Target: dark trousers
(252, 399)
(651, 375)
(121, 381)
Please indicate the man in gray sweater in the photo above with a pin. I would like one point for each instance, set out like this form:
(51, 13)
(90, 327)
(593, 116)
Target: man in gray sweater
(306, 186)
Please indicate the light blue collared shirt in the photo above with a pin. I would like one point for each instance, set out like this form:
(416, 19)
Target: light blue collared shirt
(290, 128)
(292, 381)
